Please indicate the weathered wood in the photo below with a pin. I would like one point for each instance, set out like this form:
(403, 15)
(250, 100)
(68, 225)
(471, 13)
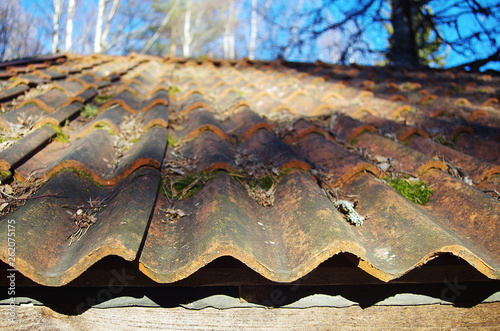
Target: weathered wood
(386, 317)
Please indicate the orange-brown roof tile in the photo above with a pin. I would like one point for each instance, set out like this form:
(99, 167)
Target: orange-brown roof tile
(316, 130)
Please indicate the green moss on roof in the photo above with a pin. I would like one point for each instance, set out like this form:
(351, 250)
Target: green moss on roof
(417, 192)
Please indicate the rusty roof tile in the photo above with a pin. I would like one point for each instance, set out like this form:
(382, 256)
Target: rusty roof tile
(94, 155)
(13, 92)
(200, 120)
(307, 105)
(72, 86)
(408, 160)
(111, 118)
(46, 256)
(211, 152)
(35, 79)
(50, 101)
(224, 220)
(265, 103)
(319, 130)
(53, 74)
(331, 157)
(474, 168)
(348, 128)
(469, 214)
(401, 236)
(23, 112)
(25, 147)
(157, 115)
(241, 123)
(485, 150)
(265, 146)
(192, 102)
(66, 112)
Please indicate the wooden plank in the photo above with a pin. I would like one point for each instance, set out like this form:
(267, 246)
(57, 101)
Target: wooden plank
(385, 317)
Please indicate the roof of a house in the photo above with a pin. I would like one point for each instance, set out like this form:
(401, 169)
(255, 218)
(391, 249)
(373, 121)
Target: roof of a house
(279, 165)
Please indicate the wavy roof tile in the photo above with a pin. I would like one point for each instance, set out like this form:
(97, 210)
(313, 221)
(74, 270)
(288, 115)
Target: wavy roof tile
(176, 163)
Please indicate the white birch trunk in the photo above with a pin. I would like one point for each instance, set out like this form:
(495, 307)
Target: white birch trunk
(162, 27)
(69, 25)
(107, 25)
(229, 51)
(226, 41)
(232, 50)
(56, 17)
(255, 20)
(186, 49)
(98, 28)
(253, 31)
(232, 26)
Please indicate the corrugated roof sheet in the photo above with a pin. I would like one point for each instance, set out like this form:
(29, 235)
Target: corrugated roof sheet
(257, 147)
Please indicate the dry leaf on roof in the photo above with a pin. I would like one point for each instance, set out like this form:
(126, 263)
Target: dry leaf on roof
(30, 94)
(176, 120)
(263, 197)
(15, 194)
(455, 171)
(83, 221)
(37, 91)
(24, 126)
(130, 133)
(172, 214)
(259, 179)
(84, 217)
(180, 166)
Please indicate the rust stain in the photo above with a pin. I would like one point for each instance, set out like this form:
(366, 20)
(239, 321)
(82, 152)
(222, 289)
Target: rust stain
(428, 99)
(365, 111)
(463, 102)
(153, 104)
(119, 102)
(438, 113)
(306, 131)
(259, 126)
(461, 130)
(398, 97)
(96, 126)
(196, 105)
(206, 128)
(359, 130)
(490, 102)
(408, 133)
(477, 114)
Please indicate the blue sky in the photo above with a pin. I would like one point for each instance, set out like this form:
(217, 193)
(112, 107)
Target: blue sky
(377, 38)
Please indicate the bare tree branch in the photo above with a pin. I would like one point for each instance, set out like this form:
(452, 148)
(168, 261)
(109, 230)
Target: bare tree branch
(477, 64)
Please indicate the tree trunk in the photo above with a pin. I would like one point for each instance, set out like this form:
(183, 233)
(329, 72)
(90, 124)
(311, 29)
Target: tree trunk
(232, 27)
(161, 28)
(229, 32)
(98, 29)
(253, 31)
(186, 49)
(69, 25)
(107, 25)
(56, 17)
(403, 50)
